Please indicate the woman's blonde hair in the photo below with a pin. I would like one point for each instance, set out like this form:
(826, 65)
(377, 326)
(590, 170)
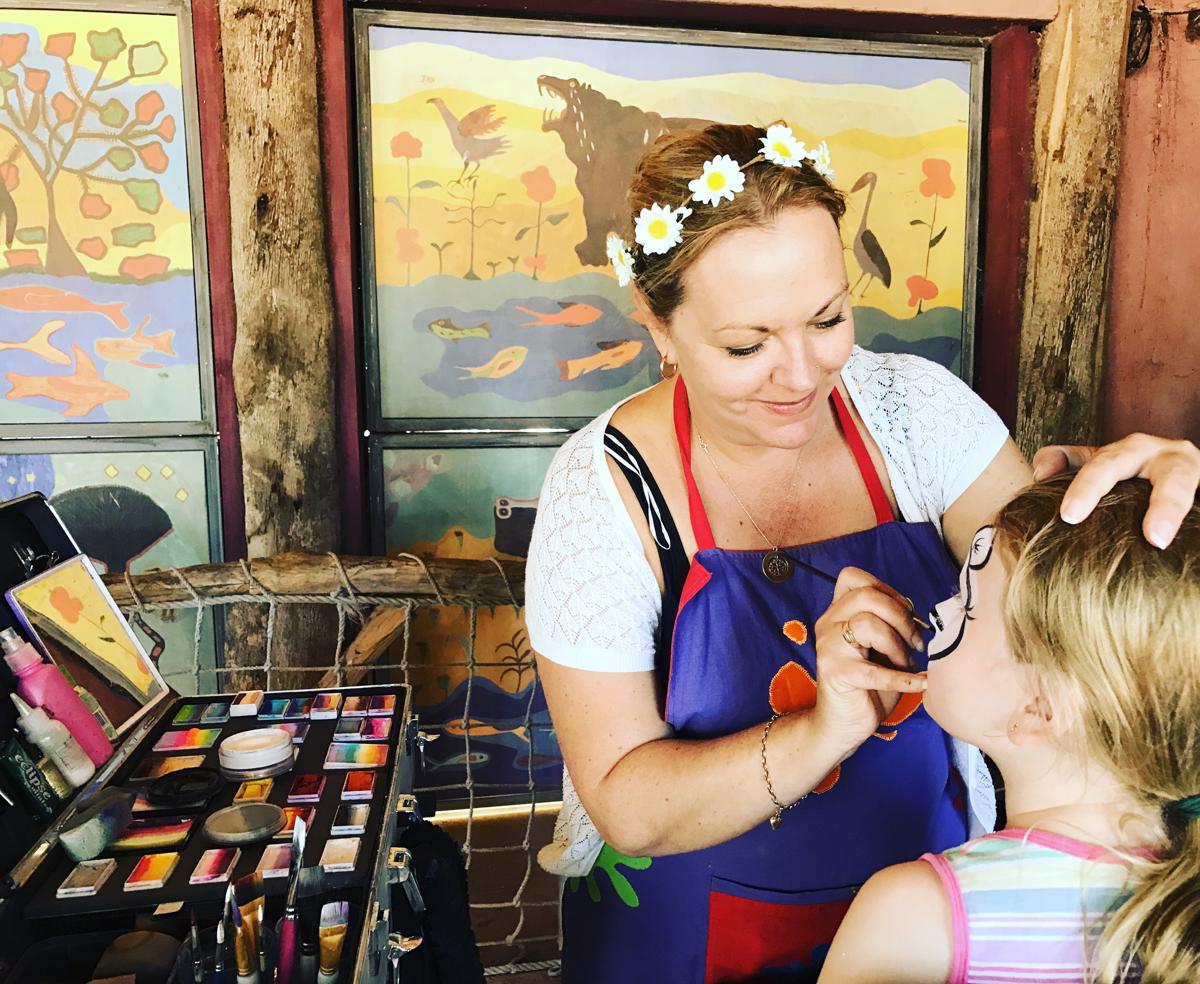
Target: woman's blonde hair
(662, 177)
(1110, 627)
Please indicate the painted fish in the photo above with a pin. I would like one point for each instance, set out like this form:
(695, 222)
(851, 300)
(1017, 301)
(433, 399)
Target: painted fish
(503, 363)
(132, 349)
(479, 729)
(462, 758)
(40, 298)
(82, 391)
(571, 315)
(612, 355)
(40, 345)
(445, 328)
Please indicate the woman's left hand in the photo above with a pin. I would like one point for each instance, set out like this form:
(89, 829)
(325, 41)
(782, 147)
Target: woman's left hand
(1171, 467)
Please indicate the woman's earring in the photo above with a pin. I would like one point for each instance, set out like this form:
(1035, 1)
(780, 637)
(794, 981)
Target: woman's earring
(667, 369)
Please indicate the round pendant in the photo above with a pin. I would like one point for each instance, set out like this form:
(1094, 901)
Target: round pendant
(776, 566)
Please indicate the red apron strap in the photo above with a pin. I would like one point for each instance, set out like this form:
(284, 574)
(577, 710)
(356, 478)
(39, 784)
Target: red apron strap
(866, 467)
(701, 530)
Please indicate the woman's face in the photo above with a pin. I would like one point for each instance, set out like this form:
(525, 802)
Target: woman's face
(764, 329)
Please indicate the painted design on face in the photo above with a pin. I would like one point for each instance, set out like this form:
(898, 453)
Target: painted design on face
(950, 617)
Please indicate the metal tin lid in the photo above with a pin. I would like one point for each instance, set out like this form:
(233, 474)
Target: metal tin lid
(244, 823)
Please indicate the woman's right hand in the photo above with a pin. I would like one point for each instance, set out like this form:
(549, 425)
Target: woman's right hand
(854, 693)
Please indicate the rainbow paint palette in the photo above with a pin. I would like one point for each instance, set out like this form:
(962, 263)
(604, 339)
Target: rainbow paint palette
(152, 835)
(187, 741)
(356, 755)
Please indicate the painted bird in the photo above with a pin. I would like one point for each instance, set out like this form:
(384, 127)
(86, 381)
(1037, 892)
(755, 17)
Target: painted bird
(870, 255)
(469, 135)
(503, 363)
(571, 315)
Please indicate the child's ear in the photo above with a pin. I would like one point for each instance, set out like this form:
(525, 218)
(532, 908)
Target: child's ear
(1035, 723)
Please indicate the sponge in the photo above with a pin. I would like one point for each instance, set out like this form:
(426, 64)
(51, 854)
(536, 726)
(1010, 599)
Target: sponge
(88, 833)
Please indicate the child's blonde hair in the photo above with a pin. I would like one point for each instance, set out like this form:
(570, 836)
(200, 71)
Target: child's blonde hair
(1110, 627)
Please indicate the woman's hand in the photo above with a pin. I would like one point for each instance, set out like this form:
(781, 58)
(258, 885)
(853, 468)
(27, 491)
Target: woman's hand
(1171, 467)
(866, 621)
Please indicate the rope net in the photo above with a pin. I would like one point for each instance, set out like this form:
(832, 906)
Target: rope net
(514, 904)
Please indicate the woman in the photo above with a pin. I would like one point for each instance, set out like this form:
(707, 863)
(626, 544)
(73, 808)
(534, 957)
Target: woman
(673, 615)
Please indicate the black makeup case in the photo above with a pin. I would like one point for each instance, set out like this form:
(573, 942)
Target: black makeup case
(46, 938)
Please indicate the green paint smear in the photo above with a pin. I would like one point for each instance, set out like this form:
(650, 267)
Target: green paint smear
(607, 862)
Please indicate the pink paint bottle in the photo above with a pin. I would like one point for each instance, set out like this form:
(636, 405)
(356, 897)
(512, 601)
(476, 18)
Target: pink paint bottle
(42, 684)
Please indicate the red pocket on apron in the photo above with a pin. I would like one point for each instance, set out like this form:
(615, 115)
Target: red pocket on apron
(752, 930)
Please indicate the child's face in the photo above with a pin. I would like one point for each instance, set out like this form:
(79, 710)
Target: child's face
(975, 686)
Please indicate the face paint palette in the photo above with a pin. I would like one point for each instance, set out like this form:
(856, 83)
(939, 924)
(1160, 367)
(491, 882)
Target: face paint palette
(187, 741)
(215, 865)
(306, 788)
(246, 704)
(358, 786)
(253, 791)
(151, 871)
(86, 878)
(340, 854)
(325, 706)
(150, 835)
(351, 818)
(355, 755)
(276, 861)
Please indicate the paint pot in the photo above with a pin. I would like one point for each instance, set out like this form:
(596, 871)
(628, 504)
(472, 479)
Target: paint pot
(257, 754)
(244, 823)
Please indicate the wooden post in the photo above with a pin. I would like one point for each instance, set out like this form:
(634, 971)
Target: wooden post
(283, 359)
(1077, 145)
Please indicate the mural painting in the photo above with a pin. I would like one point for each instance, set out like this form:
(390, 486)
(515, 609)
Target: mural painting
(472, 503)
(133, 509)
(100, 321)
(489, 208)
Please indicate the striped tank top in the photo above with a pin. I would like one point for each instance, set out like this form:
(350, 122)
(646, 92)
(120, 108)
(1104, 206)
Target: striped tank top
(1028, 906)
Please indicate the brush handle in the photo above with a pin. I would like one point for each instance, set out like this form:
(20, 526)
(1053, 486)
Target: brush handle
(288, 968)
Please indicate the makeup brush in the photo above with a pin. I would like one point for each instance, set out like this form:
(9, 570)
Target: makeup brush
(334, 917)
(197, 953)
(308, 898)
(248, 899)
(287, 969)
(218, 974)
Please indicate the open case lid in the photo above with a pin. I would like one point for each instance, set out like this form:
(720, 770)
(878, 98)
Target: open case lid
(40, 566)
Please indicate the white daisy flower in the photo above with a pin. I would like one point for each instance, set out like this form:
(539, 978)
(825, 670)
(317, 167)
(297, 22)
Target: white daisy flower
(819, 156)
(780, 147)
(721, 180)
(622, 262)
(658, 228)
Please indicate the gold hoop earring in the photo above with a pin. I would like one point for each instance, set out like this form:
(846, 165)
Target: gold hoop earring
(667, 369)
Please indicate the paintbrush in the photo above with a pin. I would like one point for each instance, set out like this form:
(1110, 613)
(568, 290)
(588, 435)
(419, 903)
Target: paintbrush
(334, 916)
(197, 954)
(308, 899)
(218, 975)
(248, 899)
(287, 968)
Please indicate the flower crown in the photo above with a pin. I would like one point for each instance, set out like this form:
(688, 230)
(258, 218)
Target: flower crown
(658, 228)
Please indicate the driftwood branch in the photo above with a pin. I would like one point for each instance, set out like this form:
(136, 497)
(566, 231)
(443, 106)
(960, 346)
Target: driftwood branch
(459, 581)
(382, 629)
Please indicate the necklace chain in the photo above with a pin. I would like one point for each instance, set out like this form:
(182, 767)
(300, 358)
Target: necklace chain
(738, 499)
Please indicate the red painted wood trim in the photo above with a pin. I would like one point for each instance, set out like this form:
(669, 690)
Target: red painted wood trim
(338, 149)
(1009, 133)
(210, 83)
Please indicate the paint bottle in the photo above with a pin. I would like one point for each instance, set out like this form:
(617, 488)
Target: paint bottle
(25, 777)
(43, 685)
(53, 738)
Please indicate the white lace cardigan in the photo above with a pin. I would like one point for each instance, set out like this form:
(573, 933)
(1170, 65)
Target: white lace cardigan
(593, 603)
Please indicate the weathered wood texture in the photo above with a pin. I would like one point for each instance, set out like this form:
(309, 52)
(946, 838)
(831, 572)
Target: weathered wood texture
(382, 628)
(283, 359)
(1077, 144)
(458, 581)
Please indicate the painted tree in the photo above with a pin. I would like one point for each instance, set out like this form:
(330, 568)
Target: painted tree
(472, 218)
(67, 124)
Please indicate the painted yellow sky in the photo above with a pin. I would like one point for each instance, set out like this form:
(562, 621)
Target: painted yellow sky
(135, 29)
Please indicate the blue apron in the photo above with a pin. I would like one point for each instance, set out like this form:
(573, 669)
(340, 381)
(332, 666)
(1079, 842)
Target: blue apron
(766, 904)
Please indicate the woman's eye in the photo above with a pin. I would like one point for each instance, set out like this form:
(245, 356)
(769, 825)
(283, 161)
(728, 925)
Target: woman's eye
(741, 353)
(831, 323)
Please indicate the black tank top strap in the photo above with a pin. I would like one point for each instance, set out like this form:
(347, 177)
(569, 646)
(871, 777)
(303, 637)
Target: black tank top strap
(672, 556)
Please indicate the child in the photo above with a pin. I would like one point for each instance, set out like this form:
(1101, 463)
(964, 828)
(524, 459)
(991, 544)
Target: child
(1071, 658)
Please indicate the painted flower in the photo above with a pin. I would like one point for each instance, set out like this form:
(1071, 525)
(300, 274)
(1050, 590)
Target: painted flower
(36, 79)
(658, 228)
(937, 178)
(12, 48)
(780, 147)
(539, 184)
(404, 144)
(819, 158)
(721, 180)
(622, 262)
(920, 289)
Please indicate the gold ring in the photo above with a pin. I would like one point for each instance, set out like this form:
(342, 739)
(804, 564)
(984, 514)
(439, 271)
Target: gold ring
(848, 634)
